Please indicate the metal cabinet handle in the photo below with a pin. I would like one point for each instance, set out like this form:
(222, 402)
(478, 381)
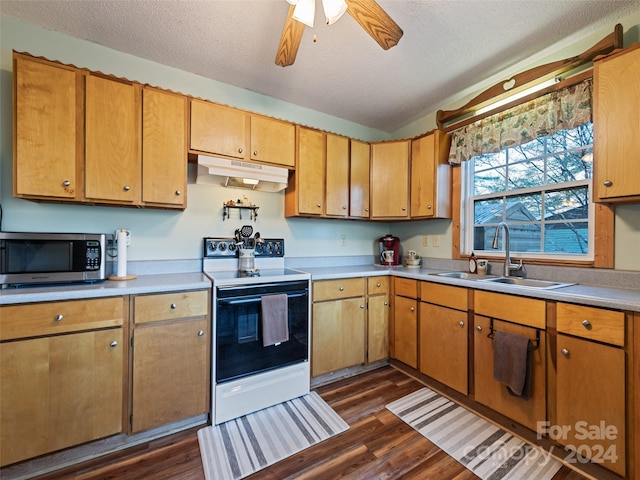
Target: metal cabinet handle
(587, 324)
(342, 289)
(366, 209)
(201, 333)
(66, 183)
(428, 207)
(113, 344)
(378, 284)
(173, 306)
(319, 205)
(362, 306)
(461, 324)
(178, 193)
(240, 150)
(412, 309)
(344, 207)
(565, 352)
(58, 317)
(126, 188)
(255, 153)
(607, 183)
(386, 304)
(479, 328)
(404, 209)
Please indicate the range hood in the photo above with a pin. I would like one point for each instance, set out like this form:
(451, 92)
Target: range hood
(239, 174)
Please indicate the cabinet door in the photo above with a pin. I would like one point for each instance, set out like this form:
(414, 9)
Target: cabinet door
(273, 141)
(431, 176)
(493, 393)
(337, 168)
(405, 333)
(378, 328)
(310, 171)
(164, 148)
(218, 129)
(170, 372)
(112, 141)
(390, 180)
(60, 391)
(591, 398)
(337, 338)
(45, 130)
(359, 179)
(444, 345)
(616, 116)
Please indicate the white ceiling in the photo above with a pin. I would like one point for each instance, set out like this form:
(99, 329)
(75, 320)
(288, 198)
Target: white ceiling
(448, 45)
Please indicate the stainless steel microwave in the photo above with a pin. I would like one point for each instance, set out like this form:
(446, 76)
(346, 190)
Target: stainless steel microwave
(42, 258)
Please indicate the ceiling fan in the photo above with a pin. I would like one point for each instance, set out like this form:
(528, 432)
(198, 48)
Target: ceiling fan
(367, 13)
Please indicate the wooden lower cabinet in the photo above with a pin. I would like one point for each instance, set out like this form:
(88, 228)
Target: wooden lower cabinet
(377, 319)
(60, 391)
(170, 357)
(405, 315)
(494, 394)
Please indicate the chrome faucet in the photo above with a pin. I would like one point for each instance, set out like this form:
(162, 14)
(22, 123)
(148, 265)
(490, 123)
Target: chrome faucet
(506, 241)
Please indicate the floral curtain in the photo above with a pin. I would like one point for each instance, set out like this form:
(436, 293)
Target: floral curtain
(560, 110)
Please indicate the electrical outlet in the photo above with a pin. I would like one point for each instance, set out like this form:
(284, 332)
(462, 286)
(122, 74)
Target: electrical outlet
(343, 240)
(425, 240)
(436, 240)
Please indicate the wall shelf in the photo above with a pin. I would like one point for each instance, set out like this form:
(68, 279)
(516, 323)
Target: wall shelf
(227, 208)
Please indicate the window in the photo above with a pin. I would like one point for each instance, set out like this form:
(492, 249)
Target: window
(541, 189)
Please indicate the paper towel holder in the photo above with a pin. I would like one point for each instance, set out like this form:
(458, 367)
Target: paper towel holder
(127, 233)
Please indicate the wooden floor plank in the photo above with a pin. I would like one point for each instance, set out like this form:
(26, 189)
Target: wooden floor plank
(378, 445)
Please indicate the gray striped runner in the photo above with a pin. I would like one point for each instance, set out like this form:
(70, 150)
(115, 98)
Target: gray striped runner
(485, 449)
(240, 447)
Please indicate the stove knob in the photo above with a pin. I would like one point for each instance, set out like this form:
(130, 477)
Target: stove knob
(222, 246)
(232, 247)
(259, 248)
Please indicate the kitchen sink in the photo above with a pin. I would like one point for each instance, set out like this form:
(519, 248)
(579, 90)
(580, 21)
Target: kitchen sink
(527, 282)
(464, 275)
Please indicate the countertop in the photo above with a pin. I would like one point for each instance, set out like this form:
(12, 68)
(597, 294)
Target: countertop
(606, 297)
(108, 288)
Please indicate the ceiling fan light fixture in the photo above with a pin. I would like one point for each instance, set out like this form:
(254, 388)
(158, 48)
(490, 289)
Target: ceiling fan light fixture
(333, 10)
(305, 12)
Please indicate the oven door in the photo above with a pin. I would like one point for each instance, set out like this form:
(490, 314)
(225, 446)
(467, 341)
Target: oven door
(239, 350)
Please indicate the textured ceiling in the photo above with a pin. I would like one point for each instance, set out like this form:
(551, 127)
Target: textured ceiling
(448, 45)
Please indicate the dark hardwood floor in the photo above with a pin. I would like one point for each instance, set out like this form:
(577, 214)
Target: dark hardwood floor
(378, 445)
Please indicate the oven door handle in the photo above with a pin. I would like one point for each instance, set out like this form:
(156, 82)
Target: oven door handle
(254, 299)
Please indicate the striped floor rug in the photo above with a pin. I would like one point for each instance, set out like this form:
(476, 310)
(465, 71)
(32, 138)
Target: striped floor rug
(488, 451)
(240, 447)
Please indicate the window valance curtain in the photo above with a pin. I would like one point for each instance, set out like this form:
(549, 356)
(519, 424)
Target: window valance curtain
(550, 113)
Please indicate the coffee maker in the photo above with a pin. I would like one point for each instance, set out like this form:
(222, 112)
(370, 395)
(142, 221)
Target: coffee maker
(389, 250)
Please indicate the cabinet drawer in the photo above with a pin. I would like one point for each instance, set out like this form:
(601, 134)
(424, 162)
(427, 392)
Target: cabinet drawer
(168, 306)
(336, 289)
(521, 310)
(37, 319)
(405, 287)
(377, 285)
(592, 323)
(445, 295)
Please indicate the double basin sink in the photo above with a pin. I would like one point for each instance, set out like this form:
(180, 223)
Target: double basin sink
(515, 281)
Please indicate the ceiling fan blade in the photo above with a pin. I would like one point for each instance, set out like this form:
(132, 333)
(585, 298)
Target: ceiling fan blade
(290, 40)
(375, 21)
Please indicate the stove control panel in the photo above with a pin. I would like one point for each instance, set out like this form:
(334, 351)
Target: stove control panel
(227, 247)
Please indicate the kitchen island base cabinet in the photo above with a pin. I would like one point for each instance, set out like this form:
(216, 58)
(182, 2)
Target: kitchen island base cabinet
(62, 375)
(171, 351)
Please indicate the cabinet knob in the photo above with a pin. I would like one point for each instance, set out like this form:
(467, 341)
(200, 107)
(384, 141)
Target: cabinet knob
(366, 209)
(255, 153)
(126, 188)
(342, 289)
(587, 324)
(319, 205)
(178, 193)
(200, 333)
(386, 304)
(378, 284)
(113, 344)
(66, 183)
(404, 209)
(173, 306)
(565, 352)
(344, 207)
(412, 309)
(479, 328)
(240, 150)
(461, 324)
(428, 207)
(607, 183)
(58, 317)
(362, 306)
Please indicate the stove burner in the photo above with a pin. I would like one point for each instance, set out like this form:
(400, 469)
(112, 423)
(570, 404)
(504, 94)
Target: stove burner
(249, 273)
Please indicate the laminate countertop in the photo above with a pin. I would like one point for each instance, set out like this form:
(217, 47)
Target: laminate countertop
(606, 297)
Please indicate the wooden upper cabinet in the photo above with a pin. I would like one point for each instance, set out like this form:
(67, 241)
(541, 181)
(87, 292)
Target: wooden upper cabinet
(431, 176)
(337, 169)
(218, 129)
(164, 148)
(359, 179)
(112, 141)
(273, 141)
(46, 128)
(390, 179)
(616, 118)
(305, 191)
